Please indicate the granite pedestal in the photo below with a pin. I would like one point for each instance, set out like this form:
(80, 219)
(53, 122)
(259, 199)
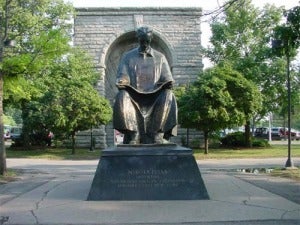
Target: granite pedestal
(147, 172)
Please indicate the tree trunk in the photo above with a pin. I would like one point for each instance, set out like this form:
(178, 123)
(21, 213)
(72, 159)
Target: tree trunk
(3, 168)
(248, 141)
(73, 143)
(205, 142)
(26, 138)
(253, 126)
(284, 127)
(25, 131)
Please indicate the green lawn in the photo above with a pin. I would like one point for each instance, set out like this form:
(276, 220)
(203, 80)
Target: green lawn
(10, 176)
(287, 173)
(273, 151)
(85, 154)
(54, 153)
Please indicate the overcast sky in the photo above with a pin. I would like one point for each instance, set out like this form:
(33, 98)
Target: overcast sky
(206, 5)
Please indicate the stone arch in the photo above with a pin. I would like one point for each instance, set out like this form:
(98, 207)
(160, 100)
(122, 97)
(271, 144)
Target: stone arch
(119, 46)
(107, 32)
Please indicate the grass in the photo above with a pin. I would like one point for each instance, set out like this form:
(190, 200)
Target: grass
(214, 153)
(293, 173)
(54, 154)
(270, 152)
(47, 153)
(11, 175)
(242, 153)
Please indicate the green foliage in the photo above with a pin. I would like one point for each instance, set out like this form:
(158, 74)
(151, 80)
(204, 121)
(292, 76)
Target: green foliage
(42, 32)
(286, 43)
(242, 38)
(49, 80)
(77, 107)
(243, 34)
(195, 143)
(288, 35)
(69, 102)
(293, 19)
(18, 89)
(8, 120)
(262, 143)
(235, 139)
(15, 114)
(220, 98)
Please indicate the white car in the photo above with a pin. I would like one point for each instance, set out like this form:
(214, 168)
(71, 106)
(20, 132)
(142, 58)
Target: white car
(295, 134)
(278, 133)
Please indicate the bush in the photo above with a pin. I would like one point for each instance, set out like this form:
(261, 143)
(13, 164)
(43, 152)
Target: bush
(17, 142)
(260, 143)
(195, 143)
(236, 139)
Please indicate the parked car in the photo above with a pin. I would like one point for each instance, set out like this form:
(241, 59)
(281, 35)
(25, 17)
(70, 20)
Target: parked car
(278, 133)
(7, 135)
(15, 133)
(7, 129)
(295, 134)
(262, 132)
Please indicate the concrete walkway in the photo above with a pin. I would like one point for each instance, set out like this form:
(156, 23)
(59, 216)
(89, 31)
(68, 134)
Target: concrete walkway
(54, 192)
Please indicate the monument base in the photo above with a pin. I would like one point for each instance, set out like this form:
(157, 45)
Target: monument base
(147, 172)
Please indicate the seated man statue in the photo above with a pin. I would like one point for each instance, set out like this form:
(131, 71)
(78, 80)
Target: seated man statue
(145, 109)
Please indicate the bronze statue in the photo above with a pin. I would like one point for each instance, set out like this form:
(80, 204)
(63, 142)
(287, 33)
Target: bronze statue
(145, 110)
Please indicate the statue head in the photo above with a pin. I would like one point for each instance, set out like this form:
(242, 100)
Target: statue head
(144, 35)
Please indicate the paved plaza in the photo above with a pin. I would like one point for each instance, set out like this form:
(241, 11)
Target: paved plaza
(52, 192)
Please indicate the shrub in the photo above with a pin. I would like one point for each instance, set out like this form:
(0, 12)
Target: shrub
(236, 139)
(195, 143)
(260, 143)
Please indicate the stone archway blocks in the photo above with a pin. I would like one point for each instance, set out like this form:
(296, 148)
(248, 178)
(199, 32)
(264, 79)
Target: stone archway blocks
(147, 172)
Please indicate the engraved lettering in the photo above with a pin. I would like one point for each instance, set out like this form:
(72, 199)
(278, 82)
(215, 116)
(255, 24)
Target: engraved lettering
(146, 178)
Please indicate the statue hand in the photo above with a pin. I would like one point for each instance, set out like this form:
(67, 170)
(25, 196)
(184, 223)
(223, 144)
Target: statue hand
(121, 84)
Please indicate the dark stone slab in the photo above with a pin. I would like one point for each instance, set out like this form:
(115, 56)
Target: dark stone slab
(147, 149)
(147, 172)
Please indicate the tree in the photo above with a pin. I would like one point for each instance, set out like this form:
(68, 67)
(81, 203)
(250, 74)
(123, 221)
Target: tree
(70, 102)
(293, 20)
(287, 43)
(242, 38)
(73, 107)
(41, 31)
(220, 98)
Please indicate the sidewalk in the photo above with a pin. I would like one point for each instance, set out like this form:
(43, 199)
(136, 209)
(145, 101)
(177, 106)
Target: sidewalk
(54, 192)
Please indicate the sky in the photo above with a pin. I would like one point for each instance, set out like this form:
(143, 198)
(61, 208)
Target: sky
(206, 5)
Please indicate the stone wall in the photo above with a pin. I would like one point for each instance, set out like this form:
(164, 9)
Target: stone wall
(106, 33)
